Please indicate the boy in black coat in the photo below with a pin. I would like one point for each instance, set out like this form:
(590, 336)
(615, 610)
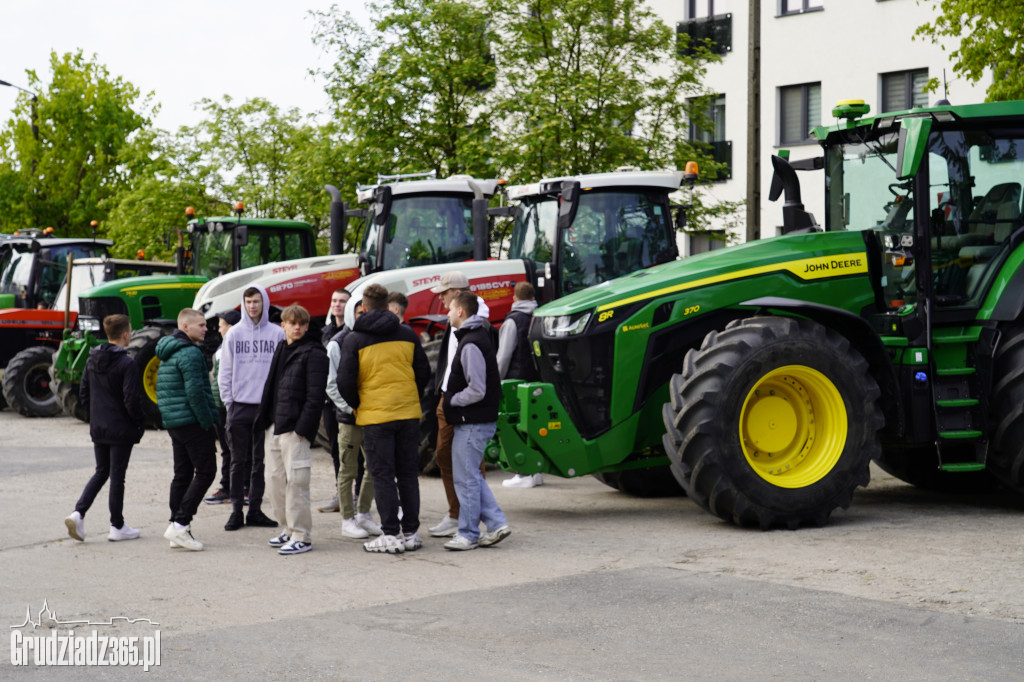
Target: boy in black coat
(111, 393)
(289, 412)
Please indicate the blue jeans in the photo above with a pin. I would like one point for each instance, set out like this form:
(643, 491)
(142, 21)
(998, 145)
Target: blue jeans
(476, 502)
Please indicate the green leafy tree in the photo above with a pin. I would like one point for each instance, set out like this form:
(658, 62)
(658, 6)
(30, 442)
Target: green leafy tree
(980, 35)
(65, 172)
(168, 178)
(589, 85)
(411, 94)
(246, 151)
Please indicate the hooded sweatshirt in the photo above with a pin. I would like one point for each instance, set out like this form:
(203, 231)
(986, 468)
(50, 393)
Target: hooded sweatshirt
(112, 392)
(245, 355)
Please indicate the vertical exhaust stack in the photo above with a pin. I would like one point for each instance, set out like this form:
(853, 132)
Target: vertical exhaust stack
(339, 221)
(481, 233)
(794, 217)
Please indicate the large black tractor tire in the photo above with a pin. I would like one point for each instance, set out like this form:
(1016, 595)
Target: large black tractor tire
(428, 406)
(142, 349)
(653, 482)
(67, 394)
(773, 422)
(1006, 453)
(26, 386)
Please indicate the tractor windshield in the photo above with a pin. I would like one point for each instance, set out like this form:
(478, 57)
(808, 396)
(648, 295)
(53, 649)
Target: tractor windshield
(422, 230)
(213, 250)
(533, 232)
(613, 234)
(861, 187)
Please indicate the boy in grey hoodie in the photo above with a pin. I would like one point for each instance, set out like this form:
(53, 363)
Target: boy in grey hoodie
(246, 354)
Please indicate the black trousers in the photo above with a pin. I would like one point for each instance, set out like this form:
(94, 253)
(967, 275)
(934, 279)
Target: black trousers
(111, 463)
(195, 467)
(225, 449)
(392, 454)
(246, 456)
(331, 429)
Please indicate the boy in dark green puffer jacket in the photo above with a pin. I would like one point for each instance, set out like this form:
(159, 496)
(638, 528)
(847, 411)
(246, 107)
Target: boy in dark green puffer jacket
(188, 412)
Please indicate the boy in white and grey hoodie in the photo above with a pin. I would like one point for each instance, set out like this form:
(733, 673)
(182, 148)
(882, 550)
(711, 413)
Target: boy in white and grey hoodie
(246, 354)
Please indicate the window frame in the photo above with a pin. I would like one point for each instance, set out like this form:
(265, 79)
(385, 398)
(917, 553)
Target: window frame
(806, 125)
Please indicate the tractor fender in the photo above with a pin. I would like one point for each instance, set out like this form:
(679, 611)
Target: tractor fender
(861, 336)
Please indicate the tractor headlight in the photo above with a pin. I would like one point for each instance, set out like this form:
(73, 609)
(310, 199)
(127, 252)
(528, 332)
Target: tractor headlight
(565, 325)
(88, 324)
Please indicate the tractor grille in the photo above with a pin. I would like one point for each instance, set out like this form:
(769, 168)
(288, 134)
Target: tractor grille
(102, 306)
(581, 370)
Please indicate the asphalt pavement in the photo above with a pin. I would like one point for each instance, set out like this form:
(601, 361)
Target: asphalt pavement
(592, 585)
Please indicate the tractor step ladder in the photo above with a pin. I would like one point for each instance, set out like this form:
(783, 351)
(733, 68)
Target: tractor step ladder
(961, 411)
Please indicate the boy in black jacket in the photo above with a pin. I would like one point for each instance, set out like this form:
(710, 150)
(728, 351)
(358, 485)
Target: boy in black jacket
(111, 393)
(293, 399)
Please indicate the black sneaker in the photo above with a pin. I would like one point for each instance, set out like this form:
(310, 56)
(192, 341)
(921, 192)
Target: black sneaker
(234, 521)
(258, 518)
(219, 497)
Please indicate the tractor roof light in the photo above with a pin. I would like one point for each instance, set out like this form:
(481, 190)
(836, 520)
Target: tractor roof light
(691, 172)
(239, 208)
(190, 213)
(851, 109)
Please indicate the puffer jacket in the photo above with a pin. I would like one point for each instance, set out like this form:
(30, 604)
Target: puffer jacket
(293, 397)
(383, 369)
(111, 391)
(183, 391)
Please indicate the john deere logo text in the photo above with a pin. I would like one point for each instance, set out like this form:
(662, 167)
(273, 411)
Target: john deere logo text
(833, 265)
(634, 327)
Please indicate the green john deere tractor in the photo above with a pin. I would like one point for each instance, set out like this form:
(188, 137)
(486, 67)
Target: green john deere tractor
(767, 376)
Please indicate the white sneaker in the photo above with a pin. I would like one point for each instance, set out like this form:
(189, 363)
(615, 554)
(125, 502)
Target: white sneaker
(447, 528)
(295, 547)
(279, 541)
(367, 523)
(461, 543)
(125, 532)
(183, 538)
(351, 529)
(412, 542)
(520, 481)
(493, 537)
(76, 526)
(385, 543)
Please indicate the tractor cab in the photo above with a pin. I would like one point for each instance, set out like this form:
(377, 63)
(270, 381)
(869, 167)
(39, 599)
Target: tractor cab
(415, 219)
(33, 266)
(580, 231)
(940, 191)
(220, 245)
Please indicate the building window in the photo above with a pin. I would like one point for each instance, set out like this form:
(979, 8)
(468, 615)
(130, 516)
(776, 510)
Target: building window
(800, 6)
(709, 134)
(702, 9)
(706, 240)
(799, 112)
(904, 90)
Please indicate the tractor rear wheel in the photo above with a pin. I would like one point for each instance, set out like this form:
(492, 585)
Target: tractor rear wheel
(1006, 457)
(428, 406)
(773, 422)
(26, 385)
(142, 349)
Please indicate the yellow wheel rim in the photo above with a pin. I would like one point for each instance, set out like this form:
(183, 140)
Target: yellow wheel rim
(793, 426)
(149, 377)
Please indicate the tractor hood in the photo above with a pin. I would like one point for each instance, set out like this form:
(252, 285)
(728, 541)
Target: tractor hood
(800, 257)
